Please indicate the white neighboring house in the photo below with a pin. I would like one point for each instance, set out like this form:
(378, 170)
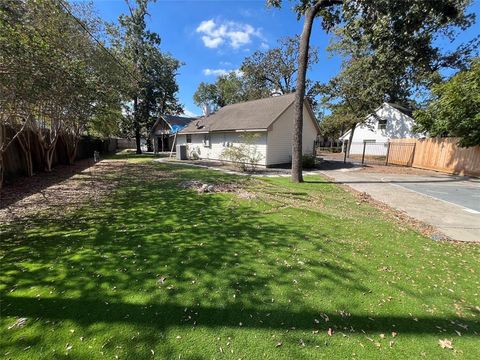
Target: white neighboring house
(270, 119)
(388, 121)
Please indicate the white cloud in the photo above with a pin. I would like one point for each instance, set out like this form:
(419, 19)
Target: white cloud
(212, 42)
(188, 113)
(216, 72)
(236, 34)
(220, 72)
(264, 46)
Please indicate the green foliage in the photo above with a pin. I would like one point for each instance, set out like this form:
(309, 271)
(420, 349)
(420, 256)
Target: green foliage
(261, 74)
(386, 58)
(207, 94)
(246, 155)
(454, 108)
(56, 79)
(308, 161)
(154, 90)
(275, 69)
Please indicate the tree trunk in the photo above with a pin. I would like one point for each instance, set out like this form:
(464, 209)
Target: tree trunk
(137, 125)
(24, 142)
(72, 152)
(1, 169)
(350, 138)
(49, 158)
(310, 14)
(48, 152)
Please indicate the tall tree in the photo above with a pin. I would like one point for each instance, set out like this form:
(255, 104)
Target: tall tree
(155, 87)
(454, 108)
(53, 76)
(207, 95)
(276, 68)
(403, 28)
(260, 75)
(229, 88)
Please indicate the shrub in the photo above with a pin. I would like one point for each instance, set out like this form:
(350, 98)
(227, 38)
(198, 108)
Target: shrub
(246, 155)
(308, 161)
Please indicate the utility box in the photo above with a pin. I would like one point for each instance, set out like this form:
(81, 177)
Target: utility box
(181, 152)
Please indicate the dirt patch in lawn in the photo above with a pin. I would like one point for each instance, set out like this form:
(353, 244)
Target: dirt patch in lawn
(65, 188)
(403, 170)
(201, 187)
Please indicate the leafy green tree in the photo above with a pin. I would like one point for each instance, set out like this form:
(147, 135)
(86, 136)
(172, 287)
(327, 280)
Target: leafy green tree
(55, 77)
(229, 88)
(207, 95)
(261, 74)
(390, 28)
(275, 69)
(454, 108)
(155, 89)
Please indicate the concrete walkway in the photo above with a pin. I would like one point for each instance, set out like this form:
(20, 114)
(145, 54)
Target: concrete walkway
(446, 202)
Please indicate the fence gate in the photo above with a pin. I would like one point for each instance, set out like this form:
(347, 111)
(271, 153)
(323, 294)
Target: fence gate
(400, 153)
(382, 153)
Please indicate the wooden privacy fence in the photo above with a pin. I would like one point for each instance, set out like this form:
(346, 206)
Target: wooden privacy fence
(440, 154)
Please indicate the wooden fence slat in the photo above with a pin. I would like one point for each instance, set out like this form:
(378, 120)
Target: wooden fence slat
(442, 154)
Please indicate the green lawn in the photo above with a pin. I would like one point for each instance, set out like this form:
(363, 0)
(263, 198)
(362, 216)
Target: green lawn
(155, 271)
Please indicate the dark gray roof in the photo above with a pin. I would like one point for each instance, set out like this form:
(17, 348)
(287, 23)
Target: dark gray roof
(249, 115)
(402, 109)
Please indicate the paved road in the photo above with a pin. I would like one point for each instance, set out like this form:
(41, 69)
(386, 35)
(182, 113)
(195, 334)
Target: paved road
(449, 203)
(457, 190)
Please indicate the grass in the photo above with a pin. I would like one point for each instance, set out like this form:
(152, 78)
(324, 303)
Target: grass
(155, 271)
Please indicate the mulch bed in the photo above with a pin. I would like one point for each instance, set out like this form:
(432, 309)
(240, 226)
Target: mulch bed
(65, 187)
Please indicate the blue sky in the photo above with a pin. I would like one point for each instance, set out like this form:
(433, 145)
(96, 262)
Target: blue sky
(211, 36)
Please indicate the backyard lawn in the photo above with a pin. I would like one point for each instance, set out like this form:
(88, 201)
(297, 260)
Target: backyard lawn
(272, 270)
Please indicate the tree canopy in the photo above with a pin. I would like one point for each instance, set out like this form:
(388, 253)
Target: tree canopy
(400, 33)
(261, 74)
(154, 89)
(454, 108)
(56, 78)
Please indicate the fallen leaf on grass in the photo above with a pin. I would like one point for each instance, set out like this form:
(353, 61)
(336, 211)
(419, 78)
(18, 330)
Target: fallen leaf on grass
(19, 323)
(279, 344)
(445, 344)
(330, 332)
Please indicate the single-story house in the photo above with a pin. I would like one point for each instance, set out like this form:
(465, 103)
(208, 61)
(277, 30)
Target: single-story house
(164, 130)
(265, 126)
(388, 121)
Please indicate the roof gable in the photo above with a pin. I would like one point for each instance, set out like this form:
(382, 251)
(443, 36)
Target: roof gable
(172, 121)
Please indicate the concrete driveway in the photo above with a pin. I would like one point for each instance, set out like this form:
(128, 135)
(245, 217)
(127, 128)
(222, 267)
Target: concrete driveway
(447, 202)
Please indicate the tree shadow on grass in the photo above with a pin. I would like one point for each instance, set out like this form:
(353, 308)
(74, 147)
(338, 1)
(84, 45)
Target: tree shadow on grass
(159, 256)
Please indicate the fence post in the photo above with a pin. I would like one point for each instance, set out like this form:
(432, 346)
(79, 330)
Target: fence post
(413, 154)
(388, 153)
(363, 153)
(344, 153)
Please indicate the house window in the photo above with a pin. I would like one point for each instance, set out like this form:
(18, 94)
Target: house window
(189, 138)
(206, 140)
(382, 124)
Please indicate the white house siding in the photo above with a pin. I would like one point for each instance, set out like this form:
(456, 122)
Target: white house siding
(399, 126)
(220, 141)
(279, 139)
